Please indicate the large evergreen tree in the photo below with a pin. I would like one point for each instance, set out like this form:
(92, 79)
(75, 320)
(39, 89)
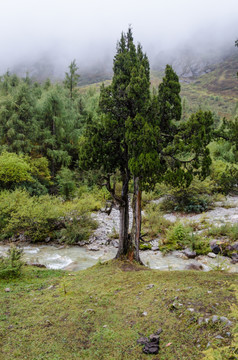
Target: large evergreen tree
(105, 144)
(142, 137)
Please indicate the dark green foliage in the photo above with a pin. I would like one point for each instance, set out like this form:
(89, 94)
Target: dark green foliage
(66, 183)
(18, 128)
(78, 229)
(11, 265)
(72, 78)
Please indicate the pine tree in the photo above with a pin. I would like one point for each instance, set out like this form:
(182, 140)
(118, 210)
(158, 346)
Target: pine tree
(72, 78)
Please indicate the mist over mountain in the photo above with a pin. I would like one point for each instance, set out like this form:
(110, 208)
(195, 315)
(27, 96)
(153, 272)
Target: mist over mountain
(42, 38)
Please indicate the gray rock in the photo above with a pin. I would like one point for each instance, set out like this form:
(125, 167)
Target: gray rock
(194, 266)
(235, 246)
(115, 243)
(93, 248)
(155, 338)
(223, 319)
(215, 247)
(234, 258)
(211, 255)
(215, 318)
(142, 340)
(145, 313)
(7, 290)
(47, 239)
(159, 331)
(155, 248)
(200, 321)
(219, 337)
(189, 253)
(191, 309)
(150, 286)
(151, 348)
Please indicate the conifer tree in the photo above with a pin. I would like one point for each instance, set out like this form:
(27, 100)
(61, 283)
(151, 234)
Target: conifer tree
(142, 137)
(72, 78)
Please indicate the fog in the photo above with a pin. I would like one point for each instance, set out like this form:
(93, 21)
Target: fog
(58, 31)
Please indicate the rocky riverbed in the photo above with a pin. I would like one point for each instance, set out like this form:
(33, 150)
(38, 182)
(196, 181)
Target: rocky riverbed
(103, 245)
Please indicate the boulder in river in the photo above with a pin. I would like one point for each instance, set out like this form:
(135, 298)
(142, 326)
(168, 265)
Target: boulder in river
(189, 253)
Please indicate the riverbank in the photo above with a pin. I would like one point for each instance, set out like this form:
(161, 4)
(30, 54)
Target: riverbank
(102, 313)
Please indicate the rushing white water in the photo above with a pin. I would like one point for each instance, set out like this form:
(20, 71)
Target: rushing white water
(78, 258)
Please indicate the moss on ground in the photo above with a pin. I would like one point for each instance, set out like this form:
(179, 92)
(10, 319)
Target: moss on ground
(98, 313)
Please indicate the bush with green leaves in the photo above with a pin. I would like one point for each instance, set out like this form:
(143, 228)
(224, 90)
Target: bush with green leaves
(14, 169)
(78, 229)
(194, 199)
(224, 176)
(180, 236)
(10, 266)
(44, 216)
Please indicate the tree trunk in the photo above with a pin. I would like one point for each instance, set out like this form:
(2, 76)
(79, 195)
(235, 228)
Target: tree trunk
(124, 221)
(133, 248)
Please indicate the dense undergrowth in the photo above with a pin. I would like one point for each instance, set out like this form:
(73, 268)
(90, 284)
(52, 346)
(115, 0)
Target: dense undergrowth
(36, 218)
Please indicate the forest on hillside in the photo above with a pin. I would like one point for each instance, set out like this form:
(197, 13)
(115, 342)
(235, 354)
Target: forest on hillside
(66, 151)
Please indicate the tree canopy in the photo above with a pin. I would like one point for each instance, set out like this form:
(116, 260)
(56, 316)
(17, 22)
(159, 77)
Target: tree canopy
(142, 136)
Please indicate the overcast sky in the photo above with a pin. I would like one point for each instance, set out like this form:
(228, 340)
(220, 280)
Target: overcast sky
(88, 30)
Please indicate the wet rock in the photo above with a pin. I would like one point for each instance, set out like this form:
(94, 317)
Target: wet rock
(211, 255)
(47, 239)
(215, 247)
(82, 243)
(194, 266)
(234, 258)
(155, 248)
(189, 253)
(93, 248)
(234, 246)
(115, 243)
(37, 265)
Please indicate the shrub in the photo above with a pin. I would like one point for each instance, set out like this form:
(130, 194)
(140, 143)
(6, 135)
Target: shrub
(13, 169)
(196, 198)
(78, 229)
(43, 216)
(11, 265)
(224, 176)
(153, 222)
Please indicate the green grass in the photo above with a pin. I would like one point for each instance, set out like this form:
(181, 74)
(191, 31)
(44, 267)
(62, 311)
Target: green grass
(97, 313)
